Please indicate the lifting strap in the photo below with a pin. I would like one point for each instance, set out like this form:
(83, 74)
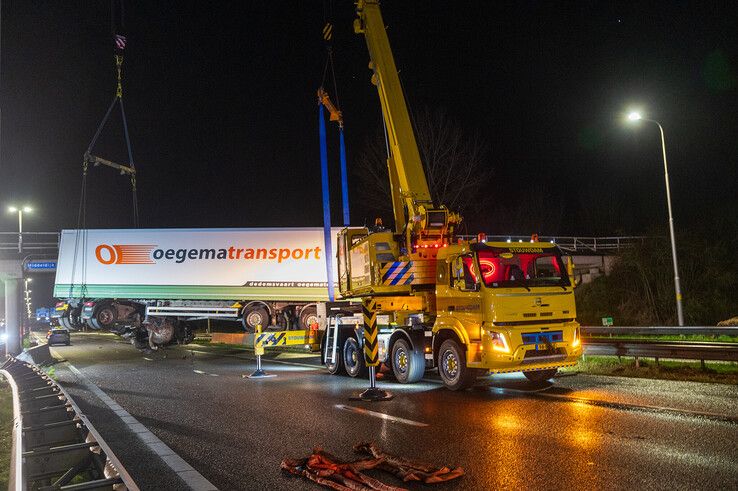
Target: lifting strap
(119, 44)
(80, 243)
(327, 236)
(324, 102)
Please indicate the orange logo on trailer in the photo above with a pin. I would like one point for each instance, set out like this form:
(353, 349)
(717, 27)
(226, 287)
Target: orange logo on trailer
(124, 254)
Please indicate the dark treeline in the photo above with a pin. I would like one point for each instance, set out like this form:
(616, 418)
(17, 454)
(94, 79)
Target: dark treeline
(640, 289)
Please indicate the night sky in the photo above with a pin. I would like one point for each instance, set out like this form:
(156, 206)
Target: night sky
(220, 99)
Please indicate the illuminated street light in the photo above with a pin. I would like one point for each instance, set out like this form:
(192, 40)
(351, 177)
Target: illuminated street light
(636, 116)
(20, 210)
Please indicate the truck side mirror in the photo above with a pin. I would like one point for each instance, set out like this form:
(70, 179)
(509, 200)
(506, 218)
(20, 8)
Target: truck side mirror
(570, 272)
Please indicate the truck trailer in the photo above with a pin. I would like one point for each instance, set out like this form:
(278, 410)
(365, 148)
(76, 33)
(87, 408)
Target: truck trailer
(150, 284)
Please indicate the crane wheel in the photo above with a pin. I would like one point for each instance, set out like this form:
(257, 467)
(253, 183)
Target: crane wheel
(407, 365)
(353, 358)
(452, 367)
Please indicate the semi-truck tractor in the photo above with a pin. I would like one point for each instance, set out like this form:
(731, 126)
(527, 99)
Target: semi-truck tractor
(150, 284)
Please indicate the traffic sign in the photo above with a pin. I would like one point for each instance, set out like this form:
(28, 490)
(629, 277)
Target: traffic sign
(40, 265)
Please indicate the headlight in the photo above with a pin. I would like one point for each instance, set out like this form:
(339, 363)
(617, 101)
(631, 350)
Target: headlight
(577, 340)
(499, 342)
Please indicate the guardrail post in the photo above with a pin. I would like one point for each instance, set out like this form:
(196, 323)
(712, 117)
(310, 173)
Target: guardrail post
(258, 351)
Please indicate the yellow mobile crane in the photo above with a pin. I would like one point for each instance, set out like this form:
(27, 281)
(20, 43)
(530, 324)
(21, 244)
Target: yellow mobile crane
(465, 306)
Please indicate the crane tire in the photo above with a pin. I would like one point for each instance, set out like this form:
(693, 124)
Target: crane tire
(452, 367)
(353, 358)
(408, 366)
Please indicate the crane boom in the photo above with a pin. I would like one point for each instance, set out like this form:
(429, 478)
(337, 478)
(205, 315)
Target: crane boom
(408, 185)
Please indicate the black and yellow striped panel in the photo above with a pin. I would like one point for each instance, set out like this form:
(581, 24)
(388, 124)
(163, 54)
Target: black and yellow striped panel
(328, 31)
(408, 272)
(371, 344)
(271, 339)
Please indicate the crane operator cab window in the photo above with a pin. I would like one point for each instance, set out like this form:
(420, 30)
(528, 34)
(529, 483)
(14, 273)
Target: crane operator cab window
(463, 276)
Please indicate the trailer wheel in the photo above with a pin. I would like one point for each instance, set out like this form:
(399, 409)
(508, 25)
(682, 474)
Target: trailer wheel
(103, 318)
(353, 358)
(255, 315)
(540, 375)
(64, 321)
(407, 366)
(308, 317)
(452, 367)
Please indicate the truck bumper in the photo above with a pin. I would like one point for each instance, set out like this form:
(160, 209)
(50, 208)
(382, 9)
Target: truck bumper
(529, 349)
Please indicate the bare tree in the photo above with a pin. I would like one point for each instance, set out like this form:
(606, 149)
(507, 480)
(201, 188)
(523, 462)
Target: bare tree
(456, 165)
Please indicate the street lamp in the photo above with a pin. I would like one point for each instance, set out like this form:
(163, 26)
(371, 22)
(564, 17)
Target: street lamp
(633, 117)
(20, 210)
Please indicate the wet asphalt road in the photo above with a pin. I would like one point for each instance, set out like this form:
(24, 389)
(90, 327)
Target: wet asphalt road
(584, 432)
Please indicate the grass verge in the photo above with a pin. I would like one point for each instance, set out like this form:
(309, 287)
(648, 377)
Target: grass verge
(6, 430)
(723, 373)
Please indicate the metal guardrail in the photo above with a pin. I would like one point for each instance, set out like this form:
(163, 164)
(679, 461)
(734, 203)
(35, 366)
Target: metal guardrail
(53, 442)
(679, 350)
(648, 348)
(661, 330)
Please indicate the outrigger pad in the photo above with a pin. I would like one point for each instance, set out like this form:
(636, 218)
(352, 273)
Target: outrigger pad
(373, 394)
(329, 471)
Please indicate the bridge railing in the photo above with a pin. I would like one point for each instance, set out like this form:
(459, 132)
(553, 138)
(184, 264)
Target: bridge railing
(45, 241)
(597, 245)
(32, 241)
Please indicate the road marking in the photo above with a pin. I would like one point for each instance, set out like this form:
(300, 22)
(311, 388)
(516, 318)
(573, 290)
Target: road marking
(253, 358)
(199, 371)
(179, 466)
(537, 393)
(375, 414)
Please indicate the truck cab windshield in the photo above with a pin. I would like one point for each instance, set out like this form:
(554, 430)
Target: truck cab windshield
(504, 269)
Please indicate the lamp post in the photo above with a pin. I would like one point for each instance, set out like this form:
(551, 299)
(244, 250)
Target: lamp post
(635, 116)
(20, 210)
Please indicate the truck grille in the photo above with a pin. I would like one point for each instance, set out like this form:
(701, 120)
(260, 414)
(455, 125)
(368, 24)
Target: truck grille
(543, 337)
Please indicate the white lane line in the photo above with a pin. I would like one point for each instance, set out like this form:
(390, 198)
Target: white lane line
(248, 357)
(384, 416)
(200, 372)
(179, 466)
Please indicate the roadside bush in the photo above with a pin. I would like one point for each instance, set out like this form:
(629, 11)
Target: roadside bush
(640, 289)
